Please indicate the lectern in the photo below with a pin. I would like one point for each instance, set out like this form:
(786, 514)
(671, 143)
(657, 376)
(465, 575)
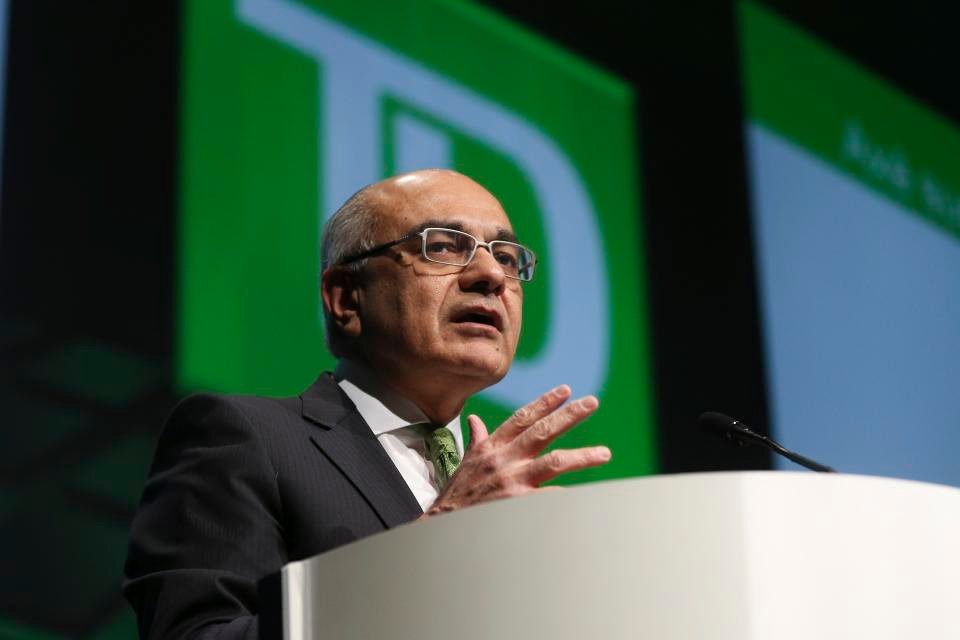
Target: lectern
(771, 555)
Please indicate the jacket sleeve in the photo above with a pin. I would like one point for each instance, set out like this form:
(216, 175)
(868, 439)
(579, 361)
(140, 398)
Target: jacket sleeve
(208, 526)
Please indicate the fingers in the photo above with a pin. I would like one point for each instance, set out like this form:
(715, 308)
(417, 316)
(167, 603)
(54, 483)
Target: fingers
(504, 463)
(536, 438)
(560, 461)
(478, 430)
(529, 414)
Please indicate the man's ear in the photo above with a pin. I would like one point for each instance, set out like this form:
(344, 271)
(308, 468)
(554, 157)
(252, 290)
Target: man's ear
(340, 289)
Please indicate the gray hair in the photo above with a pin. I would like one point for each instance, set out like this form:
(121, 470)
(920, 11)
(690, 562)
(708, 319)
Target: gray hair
(350, 230)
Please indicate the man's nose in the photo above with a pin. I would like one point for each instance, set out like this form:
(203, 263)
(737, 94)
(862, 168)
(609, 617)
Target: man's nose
(483, 273)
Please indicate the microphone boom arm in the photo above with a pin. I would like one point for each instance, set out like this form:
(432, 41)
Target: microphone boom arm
(736, 431)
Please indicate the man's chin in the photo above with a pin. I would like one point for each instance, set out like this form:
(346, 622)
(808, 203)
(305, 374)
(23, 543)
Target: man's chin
(486, 366)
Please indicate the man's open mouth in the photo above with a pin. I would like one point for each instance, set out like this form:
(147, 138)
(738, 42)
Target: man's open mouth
(477, 315)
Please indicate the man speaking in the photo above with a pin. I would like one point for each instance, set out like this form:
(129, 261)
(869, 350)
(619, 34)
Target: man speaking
(423, 291)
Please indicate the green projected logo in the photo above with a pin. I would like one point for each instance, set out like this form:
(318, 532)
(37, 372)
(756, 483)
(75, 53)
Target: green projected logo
(290, 107)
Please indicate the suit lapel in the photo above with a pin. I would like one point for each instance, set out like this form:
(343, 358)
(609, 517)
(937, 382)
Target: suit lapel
(346, 439)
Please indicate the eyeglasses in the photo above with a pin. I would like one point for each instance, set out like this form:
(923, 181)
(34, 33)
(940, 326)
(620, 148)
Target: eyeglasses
(456, 248)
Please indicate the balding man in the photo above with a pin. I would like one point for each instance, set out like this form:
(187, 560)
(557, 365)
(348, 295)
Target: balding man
(423, 290)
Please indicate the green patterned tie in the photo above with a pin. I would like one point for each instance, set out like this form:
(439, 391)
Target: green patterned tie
(442, 449)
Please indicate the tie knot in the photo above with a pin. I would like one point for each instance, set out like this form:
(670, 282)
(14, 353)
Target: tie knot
(440, 438)
(442, 449)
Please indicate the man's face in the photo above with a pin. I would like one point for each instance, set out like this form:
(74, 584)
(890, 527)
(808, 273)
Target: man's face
(438, 324)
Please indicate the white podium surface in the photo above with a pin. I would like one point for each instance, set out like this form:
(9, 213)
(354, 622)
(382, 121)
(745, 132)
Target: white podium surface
(772, 555)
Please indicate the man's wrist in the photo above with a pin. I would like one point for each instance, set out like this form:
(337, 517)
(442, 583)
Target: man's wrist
(437, 508)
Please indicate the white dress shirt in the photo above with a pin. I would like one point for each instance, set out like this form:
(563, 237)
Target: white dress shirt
(391, 417)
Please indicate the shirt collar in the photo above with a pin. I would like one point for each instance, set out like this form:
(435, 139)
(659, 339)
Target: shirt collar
(382, 408)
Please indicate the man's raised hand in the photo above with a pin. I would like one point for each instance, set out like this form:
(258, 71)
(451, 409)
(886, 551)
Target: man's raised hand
(507, 463)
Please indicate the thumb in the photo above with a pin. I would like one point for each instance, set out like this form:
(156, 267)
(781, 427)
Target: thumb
(478, 430)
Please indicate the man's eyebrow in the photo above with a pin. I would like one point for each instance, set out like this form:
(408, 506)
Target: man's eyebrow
(503, 233)
(442, 224)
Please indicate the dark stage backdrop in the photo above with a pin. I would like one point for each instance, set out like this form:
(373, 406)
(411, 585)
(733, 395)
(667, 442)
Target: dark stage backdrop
(166, 166)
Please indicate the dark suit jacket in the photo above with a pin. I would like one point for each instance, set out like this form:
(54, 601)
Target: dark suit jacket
(240, 486)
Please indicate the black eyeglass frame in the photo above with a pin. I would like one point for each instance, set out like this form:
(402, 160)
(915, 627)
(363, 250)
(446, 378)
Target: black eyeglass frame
(423, 250)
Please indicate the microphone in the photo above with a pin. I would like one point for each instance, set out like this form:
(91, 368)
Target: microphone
(735, 431)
